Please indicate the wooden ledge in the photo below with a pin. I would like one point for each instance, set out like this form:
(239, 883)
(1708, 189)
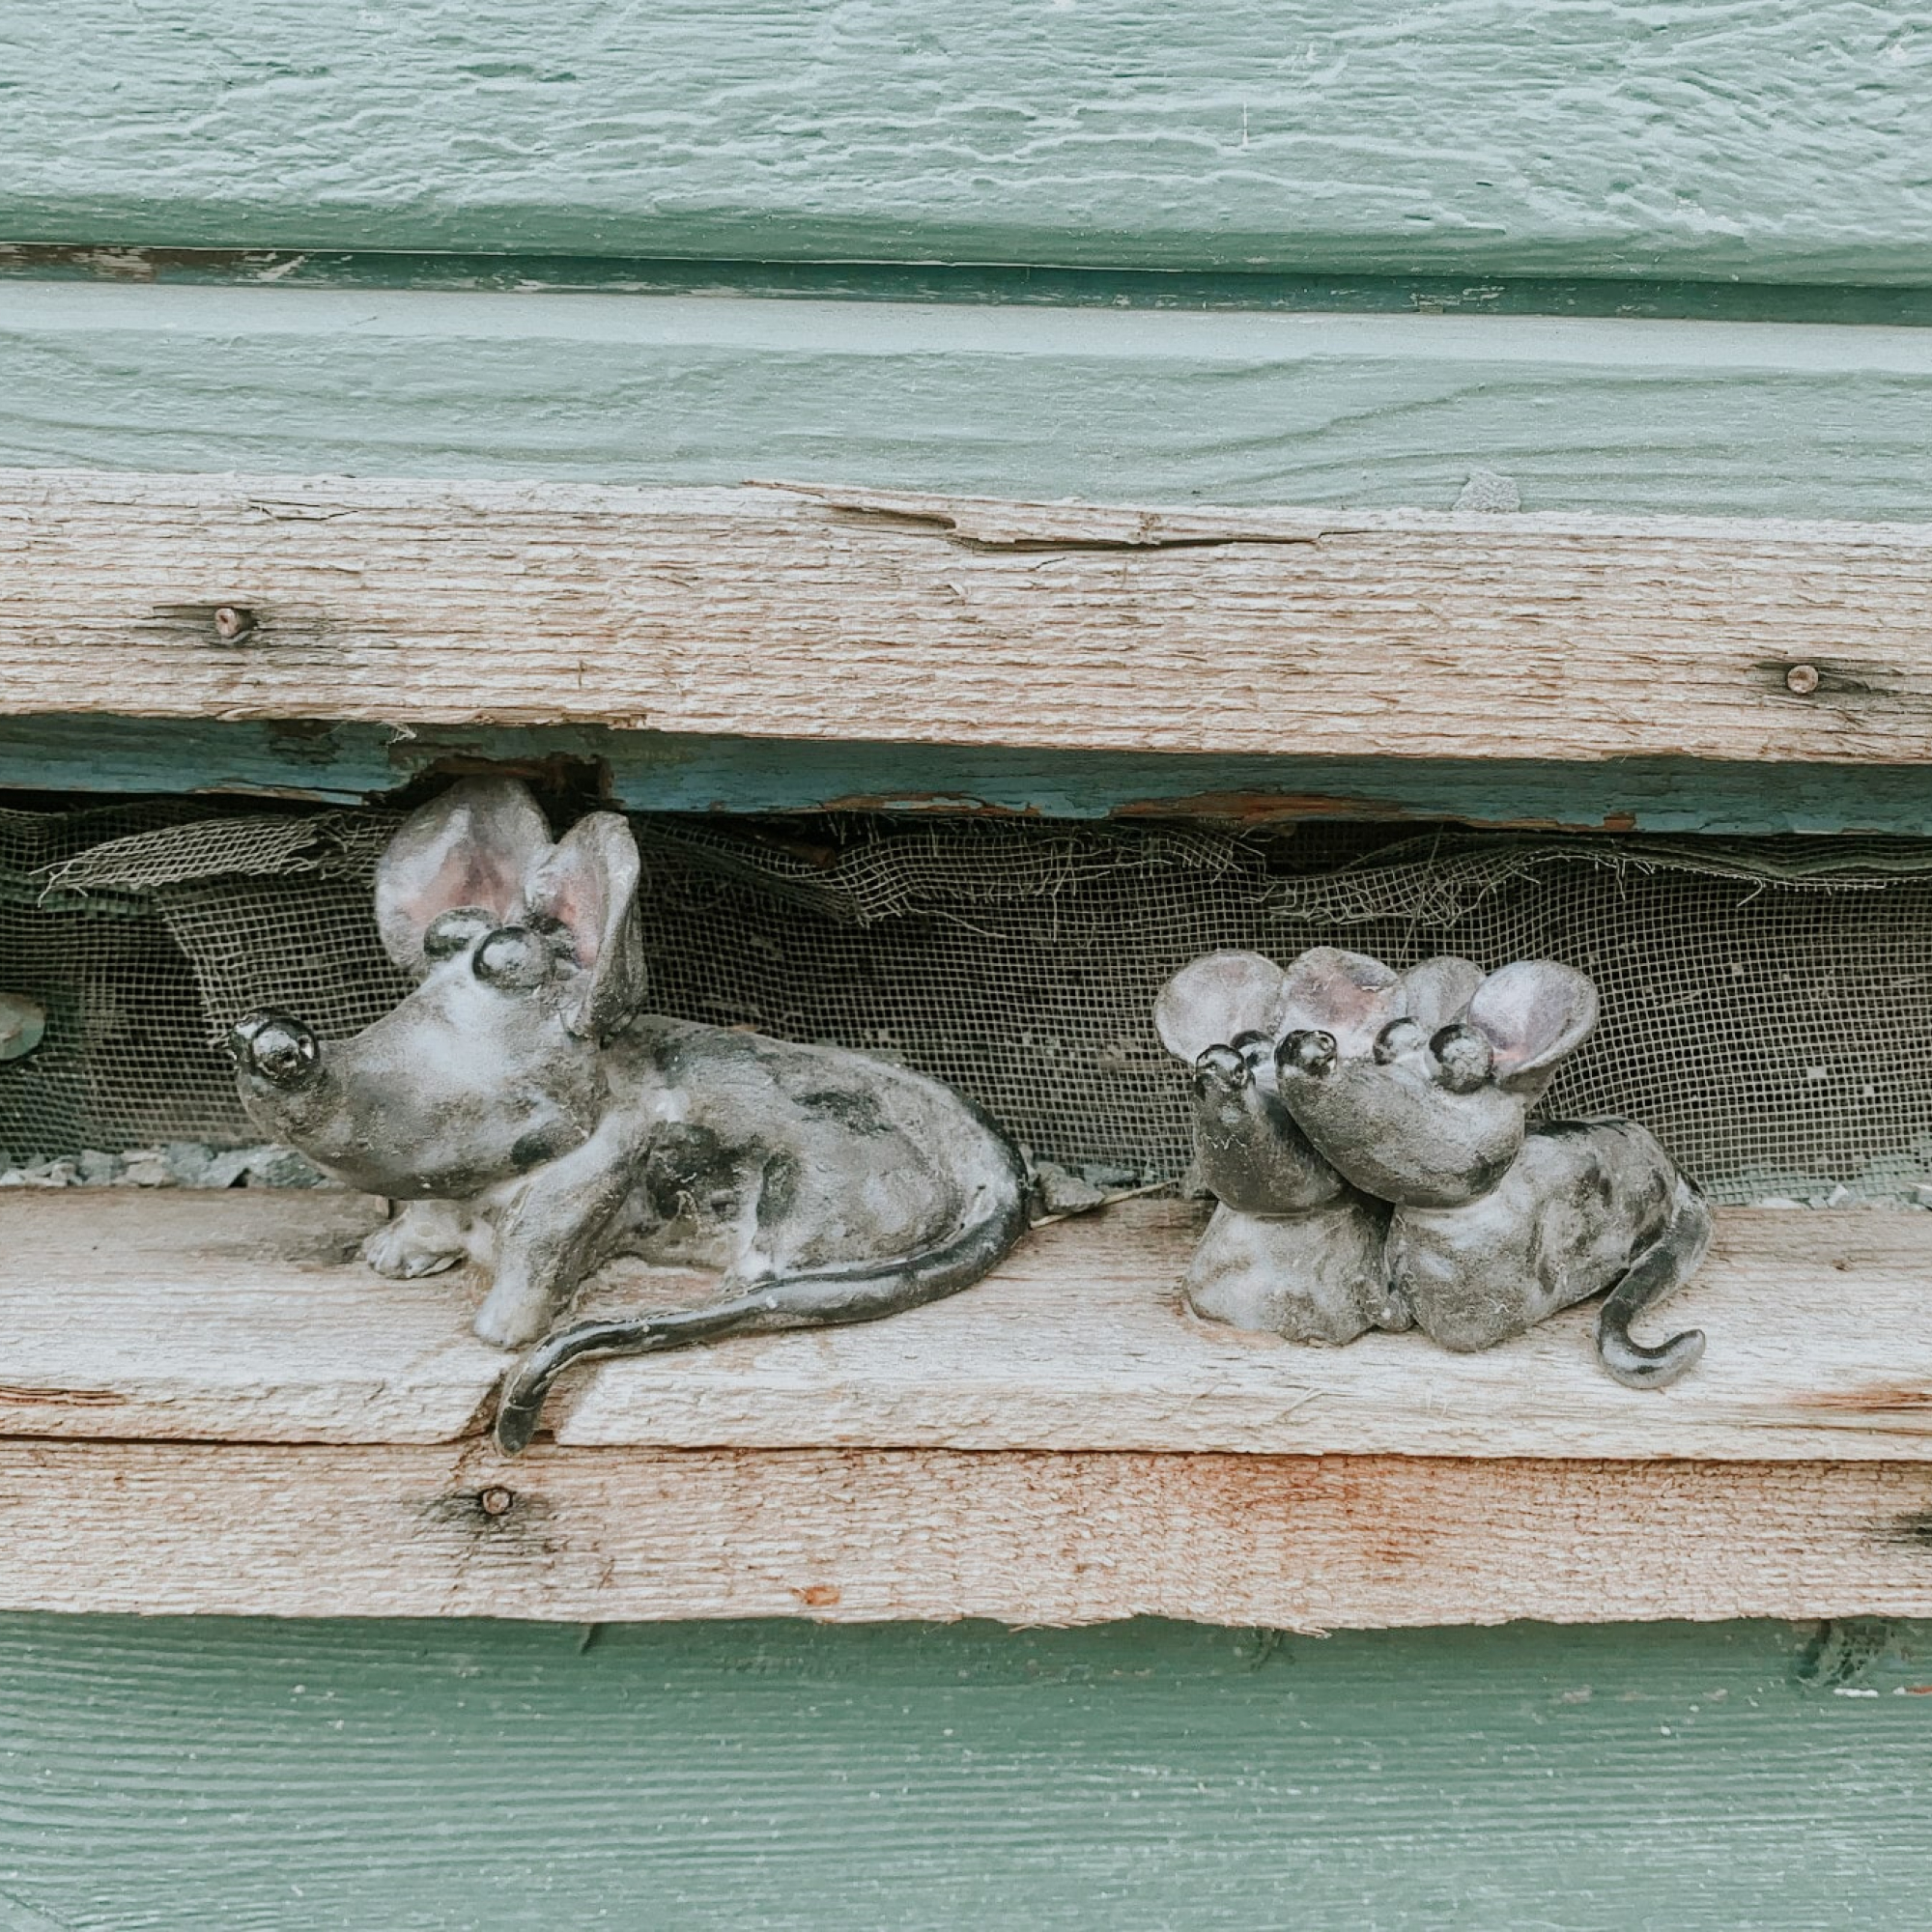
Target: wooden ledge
(255, 1424)
(821, 616)
(247, 1316)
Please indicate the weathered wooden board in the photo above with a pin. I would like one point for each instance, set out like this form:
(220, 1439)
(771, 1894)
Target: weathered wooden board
(235, 1315)
(245, 1317)
(1298, 1543)
(1615, 139)
(260, 1777)
(1685, 418)
(333, 761)
(901, 617)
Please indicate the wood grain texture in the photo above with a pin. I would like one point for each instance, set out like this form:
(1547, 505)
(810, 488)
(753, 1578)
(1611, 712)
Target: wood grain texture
(245, 1317)
(1620, 139)
(900, 617)
(1300, 1543)
(333, 761)
(1611, 416)
(258, 1776)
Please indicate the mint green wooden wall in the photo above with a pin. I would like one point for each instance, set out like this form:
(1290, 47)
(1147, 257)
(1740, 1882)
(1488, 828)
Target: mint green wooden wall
(1669, 257)
(183, 1776)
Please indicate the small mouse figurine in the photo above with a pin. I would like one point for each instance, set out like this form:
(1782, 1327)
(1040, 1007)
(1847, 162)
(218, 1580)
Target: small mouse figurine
(1292, 1248)
(1498, 1221)
(532, 1117)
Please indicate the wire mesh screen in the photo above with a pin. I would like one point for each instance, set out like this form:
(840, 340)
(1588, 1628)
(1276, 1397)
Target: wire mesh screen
(1767, 1004)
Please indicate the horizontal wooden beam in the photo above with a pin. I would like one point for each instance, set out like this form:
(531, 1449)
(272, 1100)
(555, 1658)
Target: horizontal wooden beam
(245, 1317)
(828, 615)
(1607, 140)
(1638, 417)
(214, 1408)
(1295, 1542)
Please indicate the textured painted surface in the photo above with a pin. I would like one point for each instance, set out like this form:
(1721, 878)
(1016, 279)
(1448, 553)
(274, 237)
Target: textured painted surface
(438, 1779)
(1694, 418)
(1621, 138)
(1180, 289)
(652, 771)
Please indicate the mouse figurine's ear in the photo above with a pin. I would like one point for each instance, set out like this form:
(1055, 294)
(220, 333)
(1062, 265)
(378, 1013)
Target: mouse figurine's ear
(1347, 995)
(1214, 999)
(1534, 1014)
(583, 894)
(1439, 990)
(468, 849)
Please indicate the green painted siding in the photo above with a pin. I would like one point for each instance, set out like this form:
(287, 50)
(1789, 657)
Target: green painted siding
(1777, 141)
(1232, 408)
(215, 1775)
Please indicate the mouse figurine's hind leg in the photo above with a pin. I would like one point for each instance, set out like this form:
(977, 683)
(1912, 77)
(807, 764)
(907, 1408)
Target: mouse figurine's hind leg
(1309, 1277)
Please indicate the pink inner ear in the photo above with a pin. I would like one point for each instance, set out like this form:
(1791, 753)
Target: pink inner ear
(1532, 1011)
(467, 877)
(572, 896)
(1346, 994)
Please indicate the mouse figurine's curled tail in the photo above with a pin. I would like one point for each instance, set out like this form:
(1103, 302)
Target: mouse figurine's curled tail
(858, 1292)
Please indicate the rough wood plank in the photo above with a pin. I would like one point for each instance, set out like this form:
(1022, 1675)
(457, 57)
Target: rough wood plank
(914, 619)
(1616, 139)
(666, 771)
(1685, 418)
(1080, 1342)
(173, 1776)
(239, 1315)
(593, 1536)
(231, 1318)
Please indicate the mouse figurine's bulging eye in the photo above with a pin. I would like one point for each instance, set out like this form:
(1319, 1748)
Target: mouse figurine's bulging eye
(1464, 1058)
(1308, 1051)
(514, 960)
(1398, 1036)
(448, 933)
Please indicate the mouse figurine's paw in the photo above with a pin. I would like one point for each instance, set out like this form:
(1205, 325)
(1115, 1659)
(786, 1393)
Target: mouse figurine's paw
(398, 1250)
(512, 1320)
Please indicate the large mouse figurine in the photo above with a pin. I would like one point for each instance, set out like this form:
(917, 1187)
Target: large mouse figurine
(1292, 1248)
(530, 1117)
(1497, 1221)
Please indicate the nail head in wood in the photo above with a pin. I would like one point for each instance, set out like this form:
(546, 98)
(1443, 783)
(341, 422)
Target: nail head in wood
(233, 622)
(496, 1500)
(1803, 680)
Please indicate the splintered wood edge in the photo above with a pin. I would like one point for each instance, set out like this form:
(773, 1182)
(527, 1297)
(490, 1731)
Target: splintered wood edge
(904, 618)
(1298, 1543)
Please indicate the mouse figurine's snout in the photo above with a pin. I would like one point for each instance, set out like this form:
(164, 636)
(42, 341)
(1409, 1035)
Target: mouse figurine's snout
(276, 1048)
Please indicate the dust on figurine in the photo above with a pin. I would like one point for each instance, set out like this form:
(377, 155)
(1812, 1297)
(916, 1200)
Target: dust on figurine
(530, 1117)
(1368, 1135)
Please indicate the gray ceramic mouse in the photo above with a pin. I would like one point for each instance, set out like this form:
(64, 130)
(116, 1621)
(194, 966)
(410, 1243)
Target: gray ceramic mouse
(1291, 1247)
(1498, 1221)
(530, 1117)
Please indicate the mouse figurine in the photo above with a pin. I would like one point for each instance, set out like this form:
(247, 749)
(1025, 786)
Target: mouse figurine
(1292, 1248)
(1497, 1221)
(528, 1115)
